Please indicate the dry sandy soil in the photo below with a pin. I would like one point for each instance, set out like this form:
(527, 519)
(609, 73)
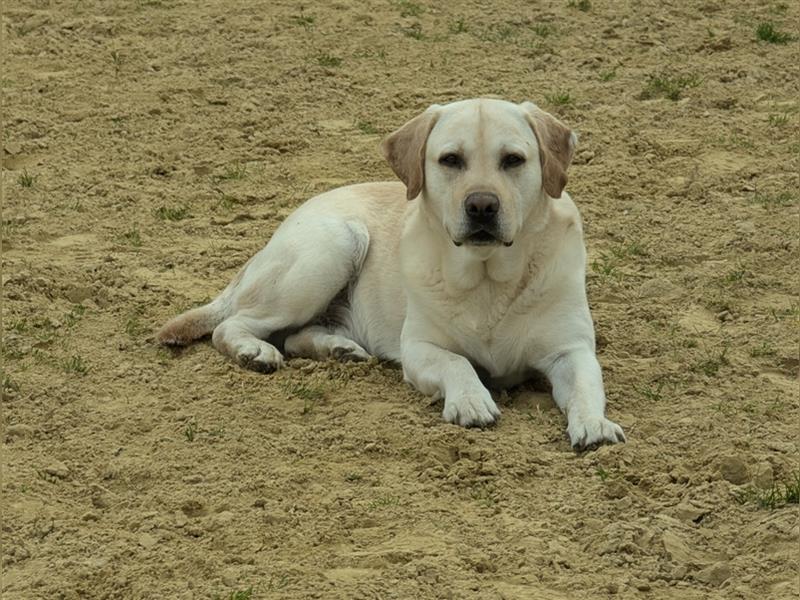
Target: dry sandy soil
(150, 147)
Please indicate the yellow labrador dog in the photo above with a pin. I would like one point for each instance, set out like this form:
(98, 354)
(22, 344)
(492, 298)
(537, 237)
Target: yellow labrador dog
(475, 261)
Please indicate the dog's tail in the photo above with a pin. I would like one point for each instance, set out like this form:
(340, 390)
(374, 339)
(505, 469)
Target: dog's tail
(194, 323)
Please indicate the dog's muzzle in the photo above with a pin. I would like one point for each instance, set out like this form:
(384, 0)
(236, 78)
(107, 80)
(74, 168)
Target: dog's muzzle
(481, 210)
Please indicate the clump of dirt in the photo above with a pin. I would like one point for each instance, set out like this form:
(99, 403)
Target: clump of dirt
(151, 147)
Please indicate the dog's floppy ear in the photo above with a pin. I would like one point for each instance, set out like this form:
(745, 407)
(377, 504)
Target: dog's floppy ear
(556, 147)
(404, 150)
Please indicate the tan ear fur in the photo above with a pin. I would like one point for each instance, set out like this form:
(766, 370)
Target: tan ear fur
(556, 148)
(404, 150)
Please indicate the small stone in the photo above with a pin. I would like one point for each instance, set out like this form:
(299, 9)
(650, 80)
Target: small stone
(196, 478)
(12, 148)
(733, 469)
(230, 577)
(764, 477)
(745, 227)
(147, 541)
(612, 588)
(19, 430)
(715, 574)
(57, 469)
(689, 513)
(616, 490)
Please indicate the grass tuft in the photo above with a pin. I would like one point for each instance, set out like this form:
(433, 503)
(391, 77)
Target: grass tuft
(172, 213)
(408, 8)
(668, 86)
(581, 5)
(328, 60)
(766, 32)
(776, 496)
(562, 98)
(26, 180)
(76, 364)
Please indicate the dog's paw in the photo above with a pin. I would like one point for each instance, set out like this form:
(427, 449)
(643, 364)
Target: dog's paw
(349, 352)
(590, 432)
(259, 356)
(473, 408)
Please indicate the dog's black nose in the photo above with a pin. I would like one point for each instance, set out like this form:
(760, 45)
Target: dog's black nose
(482, 207)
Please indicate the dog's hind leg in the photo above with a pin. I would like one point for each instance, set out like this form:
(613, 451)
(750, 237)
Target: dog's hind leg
(319, 343)
(289, 283)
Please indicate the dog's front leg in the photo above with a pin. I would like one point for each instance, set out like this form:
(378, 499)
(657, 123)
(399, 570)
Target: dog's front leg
(438, 372)
(578, 390)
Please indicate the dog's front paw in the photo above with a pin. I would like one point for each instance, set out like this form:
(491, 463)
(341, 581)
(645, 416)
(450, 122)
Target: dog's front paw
(589, 432)
(259, 356)
(472, 408)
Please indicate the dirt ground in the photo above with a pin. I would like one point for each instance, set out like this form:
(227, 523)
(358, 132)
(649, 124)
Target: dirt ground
(150, 147)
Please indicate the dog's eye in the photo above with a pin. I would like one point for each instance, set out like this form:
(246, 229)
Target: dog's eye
(512, 160)
(451, 160)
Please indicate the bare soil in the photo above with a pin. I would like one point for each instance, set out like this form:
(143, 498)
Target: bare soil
(151, 146)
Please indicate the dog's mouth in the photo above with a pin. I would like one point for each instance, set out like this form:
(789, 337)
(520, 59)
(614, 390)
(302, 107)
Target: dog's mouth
(482, 237)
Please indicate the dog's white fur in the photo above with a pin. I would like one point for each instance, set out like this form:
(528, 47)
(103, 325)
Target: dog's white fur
(358, 271)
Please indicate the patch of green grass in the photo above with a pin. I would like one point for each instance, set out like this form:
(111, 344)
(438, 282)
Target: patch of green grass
(408, 8)
(383, 501)
(133, 237)
(543, 29)
(772, 200)
(233, 172)
(602, 473)
(413, 31)
(134, 327)
(712, 362)
(75, 364)
(778, 120)
(581, 5)
(778, 495)
(241, 594)
(499, 32)
(482, 494)
(562, 98)
(608, 75)
(766, 32)
(651, 392)
(9, 385)
(328, 60)
(605, 266)
(628, 250)
(668, 86)
(764, 349)
(736, 276)
(190, 431)
(304, 20)
(26, 180)
(458, 26)
(74, 315)
(366, 127)
(116, 60)
(172, 213)
(309, 394)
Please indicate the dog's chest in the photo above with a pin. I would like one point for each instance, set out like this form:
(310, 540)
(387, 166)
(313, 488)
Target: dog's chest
(490, 323)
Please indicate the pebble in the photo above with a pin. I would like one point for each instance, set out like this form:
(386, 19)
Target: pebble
(147, 541)
(764, 476)
(715, 574)
(193, 479)
(57, 469)
(19, 430)
(733, 469)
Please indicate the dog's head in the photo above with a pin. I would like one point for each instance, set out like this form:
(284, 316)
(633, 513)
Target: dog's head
(482, 166)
